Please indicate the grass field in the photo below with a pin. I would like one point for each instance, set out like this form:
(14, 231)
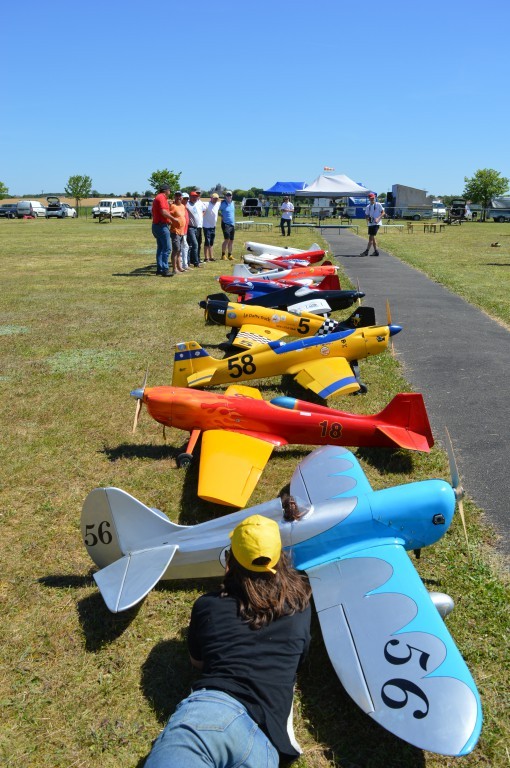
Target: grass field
(81, 316)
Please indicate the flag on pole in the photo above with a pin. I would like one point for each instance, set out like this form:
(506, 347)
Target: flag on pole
(327, 168)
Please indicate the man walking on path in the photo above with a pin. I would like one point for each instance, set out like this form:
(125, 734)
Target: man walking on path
(228, 225)
(373, 214)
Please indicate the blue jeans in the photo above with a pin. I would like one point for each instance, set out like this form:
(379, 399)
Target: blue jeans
(162, 234)
(210, 728)
(194, 255)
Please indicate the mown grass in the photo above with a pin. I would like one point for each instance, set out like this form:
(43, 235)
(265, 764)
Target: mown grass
(81, 316)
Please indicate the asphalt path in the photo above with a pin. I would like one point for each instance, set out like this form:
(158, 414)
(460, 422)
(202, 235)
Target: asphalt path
(459, 359)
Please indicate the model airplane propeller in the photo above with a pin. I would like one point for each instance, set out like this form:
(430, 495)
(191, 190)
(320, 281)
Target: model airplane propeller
(239, 431)
(383, 633)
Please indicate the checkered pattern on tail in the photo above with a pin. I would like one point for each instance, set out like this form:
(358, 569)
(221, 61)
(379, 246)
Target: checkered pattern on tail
(328, 326)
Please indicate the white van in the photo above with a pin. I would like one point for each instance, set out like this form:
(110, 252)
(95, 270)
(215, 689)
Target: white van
(30, 208)
(110, 207)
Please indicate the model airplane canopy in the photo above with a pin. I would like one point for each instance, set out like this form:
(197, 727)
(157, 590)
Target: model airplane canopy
(333, 186)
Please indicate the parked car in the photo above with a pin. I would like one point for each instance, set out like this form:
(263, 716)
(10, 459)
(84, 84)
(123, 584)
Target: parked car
(146, 207)
(30, 208)
(251, 206)
(57, 210)
(111, 207)
(9, 210)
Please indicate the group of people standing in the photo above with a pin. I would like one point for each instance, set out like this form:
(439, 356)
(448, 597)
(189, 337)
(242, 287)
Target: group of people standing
(181, 226)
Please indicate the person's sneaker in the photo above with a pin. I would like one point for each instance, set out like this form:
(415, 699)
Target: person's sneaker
(223, 258)
(231, 258)
(375, 253)
(365, 253)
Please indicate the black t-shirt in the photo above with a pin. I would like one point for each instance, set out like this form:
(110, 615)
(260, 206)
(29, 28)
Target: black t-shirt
(256, 667)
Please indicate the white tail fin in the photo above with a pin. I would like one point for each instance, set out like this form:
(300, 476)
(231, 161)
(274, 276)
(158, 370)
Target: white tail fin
(129, 541)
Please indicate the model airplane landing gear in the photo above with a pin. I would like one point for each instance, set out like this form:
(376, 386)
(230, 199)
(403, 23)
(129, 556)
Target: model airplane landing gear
(184, 460)
(363, 389)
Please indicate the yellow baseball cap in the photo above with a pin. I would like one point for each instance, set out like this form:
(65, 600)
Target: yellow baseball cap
(255, 537)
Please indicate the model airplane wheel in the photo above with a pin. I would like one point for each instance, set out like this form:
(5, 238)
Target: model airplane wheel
(184, 460)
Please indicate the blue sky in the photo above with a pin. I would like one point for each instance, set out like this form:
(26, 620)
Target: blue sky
(248, 93)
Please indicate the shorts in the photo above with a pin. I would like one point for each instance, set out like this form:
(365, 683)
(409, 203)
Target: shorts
(176, 241)
(228, 231)
(373, 229)
(209, 235)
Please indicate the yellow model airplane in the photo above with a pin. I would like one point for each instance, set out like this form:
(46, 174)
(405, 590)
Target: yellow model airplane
(326, 365)
(252, 325)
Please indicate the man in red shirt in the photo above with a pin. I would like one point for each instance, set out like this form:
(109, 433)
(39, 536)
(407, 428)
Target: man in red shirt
(161, 230)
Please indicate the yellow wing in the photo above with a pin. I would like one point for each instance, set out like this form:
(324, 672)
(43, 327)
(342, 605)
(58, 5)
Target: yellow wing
(250, 336)
(326, 377)
(230, 466)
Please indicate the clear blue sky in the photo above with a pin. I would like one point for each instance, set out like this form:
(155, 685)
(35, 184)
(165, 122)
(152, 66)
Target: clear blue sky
(248, 93)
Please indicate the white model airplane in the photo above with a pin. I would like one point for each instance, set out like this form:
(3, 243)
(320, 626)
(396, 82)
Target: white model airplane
(383, 631)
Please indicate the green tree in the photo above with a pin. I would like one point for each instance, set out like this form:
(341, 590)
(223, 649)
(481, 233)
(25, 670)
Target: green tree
(483, 186)
(158, 178)
(4, 191)
(78, 187)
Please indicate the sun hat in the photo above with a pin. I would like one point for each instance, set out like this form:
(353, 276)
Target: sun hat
(215, 195)
(228, 192)
(185, 194)
(371, 194)
(255, 537)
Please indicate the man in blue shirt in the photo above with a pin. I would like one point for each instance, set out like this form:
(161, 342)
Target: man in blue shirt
(228, 225)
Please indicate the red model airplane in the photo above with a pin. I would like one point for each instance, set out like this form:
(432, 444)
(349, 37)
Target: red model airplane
(240, 430)
(243, 285)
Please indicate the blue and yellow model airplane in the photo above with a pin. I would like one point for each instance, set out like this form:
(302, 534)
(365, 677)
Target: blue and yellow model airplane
(325, 365)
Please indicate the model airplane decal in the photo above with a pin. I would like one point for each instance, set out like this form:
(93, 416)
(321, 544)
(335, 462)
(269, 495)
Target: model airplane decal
(386, 640)
(239, 431)
(325, 365)
(253, 325)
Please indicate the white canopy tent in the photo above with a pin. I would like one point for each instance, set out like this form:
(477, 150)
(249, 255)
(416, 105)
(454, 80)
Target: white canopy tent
(333, 186)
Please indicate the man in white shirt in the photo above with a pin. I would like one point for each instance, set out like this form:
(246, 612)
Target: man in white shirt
(287, 209)
(373, 214)
(196, 218)
(210, 220)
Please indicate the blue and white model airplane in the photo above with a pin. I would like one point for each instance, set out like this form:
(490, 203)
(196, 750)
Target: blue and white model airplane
(383, 631)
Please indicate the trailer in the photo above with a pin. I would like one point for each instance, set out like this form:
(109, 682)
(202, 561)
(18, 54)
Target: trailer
(405, 202)
(499, 209)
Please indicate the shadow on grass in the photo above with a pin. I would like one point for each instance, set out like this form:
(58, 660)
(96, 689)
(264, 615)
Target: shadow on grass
(66, 581)
(148, 271)
(142, 451)
(349, 737)
(387, 460)
(492, 264)
(167, 676)
(99, 625)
